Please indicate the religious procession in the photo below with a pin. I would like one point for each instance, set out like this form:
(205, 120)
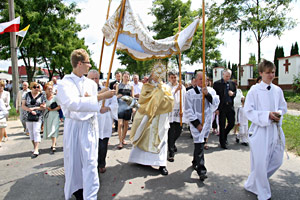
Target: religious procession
(150, 130)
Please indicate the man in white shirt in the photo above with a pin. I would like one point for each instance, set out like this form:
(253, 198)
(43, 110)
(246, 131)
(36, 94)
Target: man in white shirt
(137, 86)
(19, 109)
(78, 98)
(54, 80)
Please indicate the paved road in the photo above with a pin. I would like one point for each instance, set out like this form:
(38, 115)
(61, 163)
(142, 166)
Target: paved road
(43, 178)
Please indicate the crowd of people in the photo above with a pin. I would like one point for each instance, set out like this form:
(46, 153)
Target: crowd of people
(89, 111)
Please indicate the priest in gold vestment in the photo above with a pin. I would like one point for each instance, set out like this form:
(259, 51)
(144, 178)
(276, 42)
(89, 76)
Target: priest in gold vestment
(149, 132)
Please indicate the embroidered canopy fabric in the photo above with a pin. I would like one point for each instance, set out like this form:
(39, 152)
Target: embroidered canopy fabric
(135, 38)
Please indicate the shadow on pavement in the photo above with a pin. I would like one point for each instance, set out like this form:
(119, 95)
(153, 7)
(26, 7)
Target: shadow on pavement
(28, 153)
(38, 185)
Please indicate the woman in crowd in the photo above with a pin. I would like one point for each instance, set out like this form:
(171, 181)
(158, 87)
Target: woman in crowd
(34, 103)
(51, 117)
(3, 115)
(124, 93)
(5, 96)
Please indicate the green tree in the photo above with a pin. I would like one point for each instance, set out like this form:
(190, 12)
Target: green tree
(52, 36)
(234, 70)
(252, 61)
(294, 49)
(263, 18)
(166, 13)
(279, 53)
(134, 66)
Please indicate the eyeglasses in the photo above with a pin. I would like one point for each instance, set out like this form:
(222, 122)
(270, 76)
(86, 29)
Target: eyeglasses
(36, 87)
(87, 62)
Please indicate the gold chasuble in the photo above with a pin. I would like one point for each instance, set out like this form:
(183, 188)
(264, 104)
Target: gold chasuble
(148, 128)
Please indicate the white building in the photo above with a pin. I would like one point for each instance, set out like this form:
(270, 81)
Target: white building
(246, 73)
(217, 73)
(288, 67)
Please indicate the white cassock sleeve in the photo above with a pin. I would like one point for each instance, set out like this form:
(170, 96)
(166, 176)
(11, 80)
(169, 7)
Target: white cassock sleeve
(114, 107)
(215, 100)
(73, 102)
(188, 108)
(258, 117)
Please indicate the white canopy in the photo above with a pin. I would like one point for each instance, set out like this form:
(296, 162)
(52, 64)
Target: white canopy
(135, 38)
(5, 76)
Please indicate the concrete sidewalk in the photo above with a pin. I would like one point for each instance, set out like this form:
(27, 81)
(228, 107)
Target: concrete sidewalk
(43, 177)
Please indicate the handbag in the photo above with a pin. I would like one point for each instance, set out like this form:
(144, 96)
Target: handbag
(33, 118)
(53, 105)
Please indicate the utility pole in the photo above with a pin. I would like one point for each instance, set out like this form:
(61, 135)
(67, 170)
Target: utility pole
(13, 50)
(240, 58)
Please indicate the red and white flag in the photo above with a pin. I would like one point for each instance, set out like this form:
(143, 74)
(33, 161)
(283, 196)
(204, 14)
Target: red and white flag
(11, 26)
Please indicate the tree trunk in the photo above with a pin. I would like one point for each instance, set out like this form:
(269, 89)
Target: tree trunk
(258, 44)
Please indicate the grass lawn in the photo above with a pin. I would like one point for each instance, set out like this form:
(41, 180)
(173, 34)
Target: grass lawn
(291, 129)
(13, 115)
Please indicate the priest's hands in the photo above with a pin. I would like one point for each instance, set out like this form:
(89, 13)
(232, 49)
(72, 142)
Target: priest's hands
(199, 127)
(103, 90)
(106, 95)
(104, 109)
(275, 116)
(230, 93)
(178, 88)
(204, 91)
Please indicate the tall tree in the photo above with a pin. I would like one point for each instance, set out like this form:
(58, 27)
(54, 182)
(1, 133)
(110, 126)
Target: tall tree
(279, 53)
(134, 66)
(263, 18)
(292, 50)
(296, 49)
(166, 24)
(252, 61)
(53, 34)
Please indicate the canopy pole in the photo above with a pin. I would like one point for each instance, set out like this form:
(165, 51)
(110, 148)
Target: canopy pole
(203, 59)
(115, 45)
(180, 84)
(103, 41)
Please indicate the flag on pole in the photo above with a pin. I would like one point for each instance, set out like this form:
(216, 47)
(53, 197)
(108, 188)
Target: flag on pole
(136, 40)
(23, 32)
(11, 26)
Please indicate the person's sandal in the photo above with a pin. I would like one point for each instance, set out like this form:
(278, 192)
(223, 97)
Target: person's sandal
(120, 146)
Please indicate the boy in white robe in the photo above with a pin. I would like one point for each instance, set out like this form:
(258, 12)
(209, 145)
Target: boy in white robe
(264, 107)
(79, 98)
(210, 115)
(242, 122)
(106, 115)
(174, 116)
(193, 113)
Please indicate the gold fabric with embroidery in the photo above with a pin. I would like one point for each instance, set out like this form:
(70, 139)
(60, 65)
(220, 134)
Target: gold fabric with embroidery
(153, 101)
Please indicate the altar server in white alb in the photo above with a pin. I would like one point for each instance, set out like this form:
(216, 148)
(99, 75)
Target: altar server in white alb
(193, 113)
(78, 98)
(106, 115)
(174, 116)
(242, 122)
(264, 107)
(210, 115)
